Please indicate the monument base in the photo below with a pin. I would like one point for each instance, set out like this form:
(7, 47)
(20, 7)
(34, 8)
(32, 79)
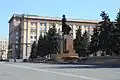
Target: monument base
(68, 53)
(67, 56)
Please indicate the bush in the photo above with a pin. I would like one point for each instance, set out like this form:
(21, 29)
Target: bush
(24, 60)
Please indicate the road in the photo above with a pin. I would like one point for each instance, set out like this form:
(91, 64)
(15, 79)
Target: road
(39, 71)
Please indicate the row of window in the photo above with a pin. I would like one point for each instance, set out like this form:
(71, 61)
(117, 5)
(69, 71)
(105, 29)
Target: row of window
(44, 26)
(3, 41)
(34, 26)
(41, 30)
(41, 24)
(33, 37)
(3, 47)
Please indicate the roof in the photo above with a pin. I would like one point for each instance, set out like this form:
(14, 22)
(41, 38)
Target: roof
(17, 16)
(51, 18)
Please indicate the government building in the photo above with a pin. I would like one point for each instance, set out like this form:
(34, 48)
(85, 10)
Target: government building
(25, 29)
(3, 49)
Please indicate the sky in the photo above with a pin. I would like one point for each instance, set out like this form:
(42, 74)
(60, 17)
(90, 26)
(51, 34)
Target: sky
(80, 9)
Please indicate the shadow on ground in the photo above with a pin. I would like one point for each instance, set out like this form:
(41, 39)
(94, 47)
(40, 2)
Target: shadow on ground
(72, 66)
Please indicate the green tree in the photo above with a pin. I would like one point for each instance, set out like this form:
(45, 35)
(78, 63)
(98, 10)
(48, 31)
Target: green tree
(117, 34)
(33, 51)
(113, 40)
(45, 45)
(108, 36)
(85, 40)
(94, 44)
(40, 45)
(114, 37)
(104, 33)
(53, 41)
(118, 18)
(78, 43)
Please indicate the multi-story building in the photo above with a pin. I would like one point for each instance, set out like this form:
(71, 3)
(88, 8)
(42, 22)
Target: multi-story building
(24, 29)
(3, 49)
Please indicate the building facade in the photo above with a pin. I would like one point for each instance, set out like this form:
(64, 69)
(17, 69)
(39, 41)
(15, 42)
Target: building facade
(25, 29)
(3, 49)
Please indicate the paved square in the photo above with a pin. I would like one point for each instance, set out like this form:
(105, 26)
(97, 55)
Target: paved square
(39, 71)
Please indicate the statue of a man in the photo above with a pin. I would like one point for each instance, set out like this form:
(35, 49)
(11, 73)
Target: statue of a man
(65, 28)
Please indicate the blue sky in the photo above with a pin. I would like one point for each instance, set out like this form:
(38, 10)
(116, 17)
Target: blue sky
(82, 9)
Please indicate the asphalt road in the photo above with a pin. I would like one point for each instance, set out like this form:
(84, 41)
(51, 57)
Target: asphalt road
(39, 71)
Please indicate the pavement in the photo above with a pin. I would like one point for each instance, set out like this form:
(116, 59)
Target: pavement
(41, 71)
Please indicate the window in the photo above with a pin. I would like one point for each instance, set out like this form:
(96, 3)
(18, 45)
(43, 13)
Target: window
(22, 36)
(33, 32)
(35, 37)
(45, 29)
(31, 37)
(3, 47)
(16, 41)
(17, 33)
(31, 41)
(16, 46)
(31, 23)
(45, 24)
(17, 37)
(40, 28)
(58, 30)
(33, 28)
(40, 24)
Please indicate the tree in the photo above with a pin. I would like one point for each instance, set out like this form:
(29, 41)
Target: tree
(108, 36)
(100, 40)
(33, 50)
(94, 44)
(78, 43)
(85, 40)
(118, 18)
(49, 44)
(113, 40)
(104, 32)
(53, 41)
(45, 45)
(40, 50)
(117, 33)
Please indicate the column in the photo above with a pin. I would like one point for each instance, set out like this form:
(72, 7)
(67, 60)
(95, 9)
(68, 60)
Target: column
(82, 29)
(25, 34)
(74, 31)
(24, 51)
(47, 27)
(56, 26)
(38, 30)
(89, 34)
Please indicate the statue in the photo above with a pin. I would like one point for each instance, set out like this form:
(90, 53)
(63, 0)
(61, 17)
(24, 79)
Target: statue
(67, 50)
(65, 28)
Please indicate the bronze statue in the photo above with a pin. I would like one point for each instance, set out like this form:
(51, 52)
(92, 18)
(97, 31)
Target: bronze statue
(65, 28)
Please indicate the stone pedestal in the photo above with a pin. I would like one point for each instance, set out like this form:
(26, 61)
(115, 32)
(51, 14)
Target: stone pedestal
(68, 49)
